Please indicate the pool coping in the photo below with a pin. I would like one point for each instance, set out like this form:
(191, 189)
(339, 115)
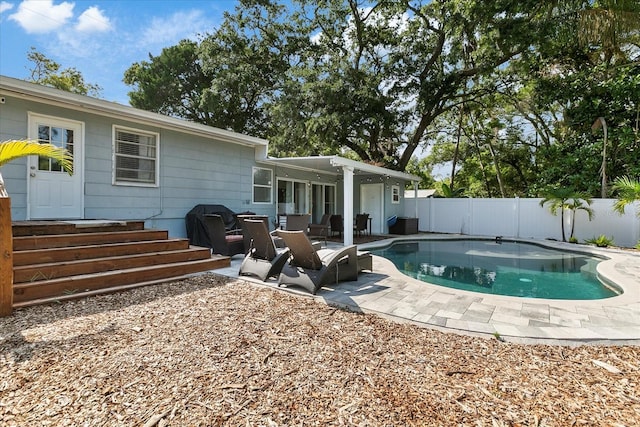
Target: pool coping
(606, 269)
(388, 292)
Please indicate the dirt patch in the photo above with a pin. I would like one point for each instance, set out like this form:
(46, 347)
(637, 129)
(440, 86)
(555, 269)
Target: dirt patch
(206, 352)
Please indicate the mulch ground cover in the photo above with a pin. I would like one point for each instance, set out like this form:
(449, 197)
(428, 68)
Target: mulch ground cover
(212, 352)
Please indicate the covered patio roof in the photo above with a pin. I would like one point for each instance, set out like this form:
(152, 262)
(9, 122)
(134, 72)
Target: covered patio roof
(336, 166)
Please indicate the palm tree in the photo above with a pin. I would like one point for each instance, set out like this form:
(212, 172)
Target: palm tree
(11, 150)
(628, 191)
(566, 198)
(577, 204)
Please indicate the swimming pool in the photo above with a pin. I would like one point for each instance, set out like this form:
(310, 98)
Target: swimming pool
(500, 268)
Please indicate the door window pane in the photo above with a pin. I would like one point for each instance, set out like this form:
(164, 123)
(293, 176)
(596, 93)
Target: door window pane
(58, 136)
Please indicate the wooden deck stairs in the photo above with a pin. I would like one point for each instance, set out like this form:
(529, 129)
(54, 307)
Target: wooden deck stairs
(55, 260)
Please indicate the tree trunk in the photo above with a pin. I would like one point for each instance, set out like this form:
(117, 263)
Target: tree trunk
(480, 162)
(457, 150)
(497, 165)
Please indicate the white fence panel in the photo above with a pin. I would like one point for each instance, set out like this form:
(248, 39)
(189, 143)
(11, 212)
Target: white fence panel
(622, 228)
(536, 222)
(454, 216)
(493, 217)
(523, 218)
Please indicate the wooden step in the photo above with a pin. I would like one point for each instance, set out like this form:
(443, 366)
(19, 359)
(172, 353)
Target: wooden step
(113, 289)
(31, 228)
(64, 286)
(36, 272)
(41, 256)
(61, 260)
(24, 243)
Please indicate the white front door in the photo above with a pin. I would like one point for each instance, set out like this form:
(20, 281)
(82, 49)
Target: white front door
(53, 193)
(372, 202)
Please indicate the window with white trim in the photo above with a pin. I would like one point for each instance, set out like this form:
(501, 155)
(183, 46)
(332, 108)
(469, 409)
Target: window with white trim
(395, 194)
(262, 183)
(135, 157)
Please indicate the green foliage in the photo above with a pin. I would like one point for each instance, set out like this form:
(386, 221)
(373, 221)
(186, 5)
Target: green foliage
(171, 83)
(567, 198)
(601, 241)
(231, 79)
(582, 96)
(444, 190)
(423, 169)
(15, 149)
(48, 73)
(573, 239)
(628, 191)
(500, 91)
(327, 76)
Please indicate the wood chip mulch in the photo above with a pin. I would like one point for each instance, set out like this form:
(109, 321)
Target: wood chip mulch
(203, 352)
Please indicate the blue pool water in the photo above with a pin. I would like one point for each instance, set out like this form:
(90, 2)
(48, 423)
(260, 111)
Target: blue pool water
(504, 268)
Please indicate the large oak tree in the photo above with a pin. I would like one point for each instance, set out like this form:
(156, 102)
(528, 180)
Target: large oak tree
(491, 83)
(334, 75)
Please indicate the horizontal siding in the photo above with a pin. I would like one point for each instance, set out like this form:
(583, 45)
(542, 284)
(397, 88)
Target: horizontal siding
(193, 170)
(13, 125)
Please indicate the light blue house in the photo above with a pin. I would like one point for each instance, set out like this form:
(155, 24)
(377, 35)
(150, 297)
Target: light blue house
(132, 164)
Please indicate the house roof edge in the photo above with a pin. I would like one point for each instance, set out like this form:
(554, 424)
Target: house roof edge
(52, 96)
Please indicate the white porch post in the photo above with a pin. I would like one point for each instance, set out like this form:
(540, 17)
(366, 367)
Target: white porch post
(348, 205)
(415, 195)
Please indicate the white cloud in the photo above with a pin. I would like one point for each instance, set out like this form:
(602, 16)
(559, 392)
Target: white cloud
(93, 20)
(42, 16)
(180, 25)
(5, 5)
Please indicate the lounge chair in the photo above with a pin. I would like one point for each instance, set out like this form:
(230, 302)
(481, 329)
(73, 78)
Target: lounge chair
(263, 259)
(297, 222)
(223, 242)
(311, 268)
(321, 229)
(246, 236)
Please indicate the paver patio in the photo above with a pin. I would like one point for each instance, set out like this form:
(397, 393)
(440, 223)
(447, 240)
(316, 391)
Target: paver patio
(388, 292)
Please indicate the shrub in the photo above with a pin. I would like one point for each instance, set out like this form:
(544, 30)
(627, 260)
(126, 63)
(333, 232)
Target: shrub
(601, 241)
(573, 239)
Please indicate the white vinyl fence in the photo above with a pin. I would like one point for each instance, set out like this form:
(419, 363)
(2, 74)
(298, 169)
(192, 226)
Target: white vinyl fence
(523, 218)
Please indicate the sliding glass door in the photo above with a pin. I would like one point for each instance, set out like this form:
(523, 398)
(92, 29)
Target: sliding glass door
(323, 201)
(292, 197)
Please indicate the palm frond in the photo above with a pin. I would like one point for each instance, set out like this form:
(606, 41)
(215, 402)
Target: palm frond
(628, 191)
(14, 149)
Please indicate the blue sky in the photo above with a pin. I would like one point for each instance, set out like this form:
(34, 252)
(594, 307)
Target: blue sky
(101, 39)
